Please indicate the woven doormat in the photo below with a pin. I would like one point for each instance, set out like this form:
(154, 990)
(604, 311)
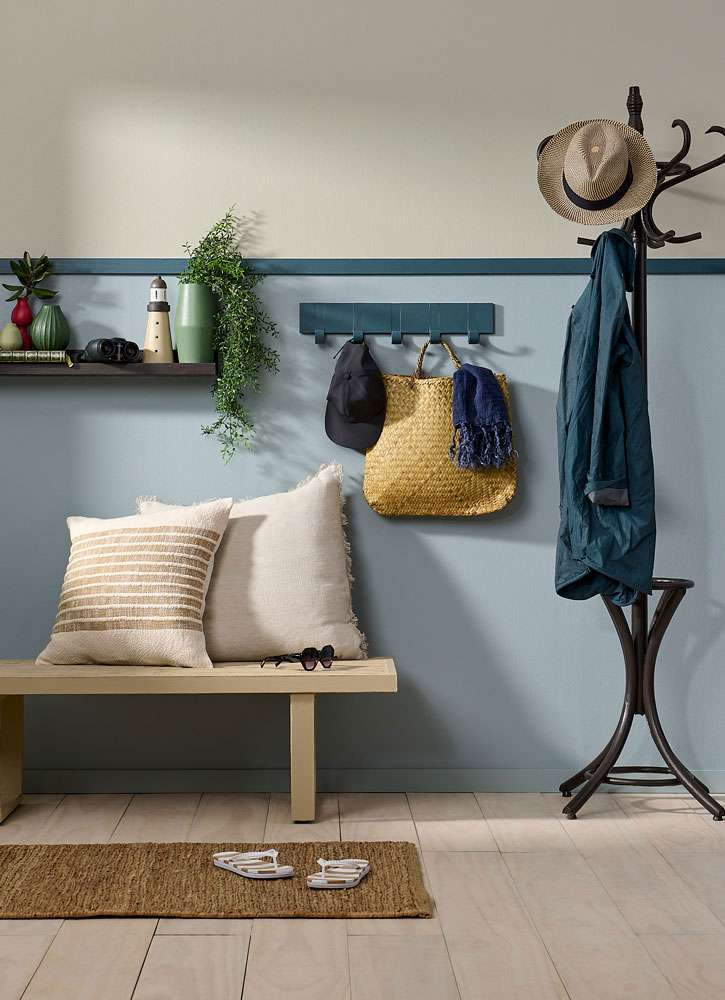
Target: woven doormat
(179, 880)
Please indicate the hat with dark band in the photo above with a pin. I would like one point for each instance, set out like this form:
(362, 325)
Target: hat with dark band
(356, 399)
(597, 172)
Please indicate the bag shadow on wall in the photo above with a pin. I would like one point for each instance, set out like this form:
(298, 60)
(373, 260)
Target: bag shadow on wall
(461, 702)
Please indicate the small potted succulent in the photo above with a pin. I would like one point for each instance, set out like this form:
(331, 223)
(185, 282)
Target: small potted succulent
(30, 273)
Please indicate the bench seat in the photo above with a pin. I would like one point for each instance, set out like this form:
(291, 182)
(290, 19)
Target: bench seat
(22, 677)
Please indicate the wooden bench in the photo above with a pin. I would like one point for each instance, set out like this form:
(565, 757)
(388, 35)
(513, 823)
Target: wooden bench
(22, 677)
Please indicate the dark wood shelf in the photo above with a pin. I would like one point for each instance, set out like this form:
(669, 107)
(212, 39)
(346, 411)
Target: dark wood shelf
(140, 370)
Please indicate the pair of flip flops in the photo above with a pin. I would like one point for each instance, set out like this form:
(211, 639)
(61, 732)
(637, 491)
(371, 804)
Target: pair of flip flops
(344, 873)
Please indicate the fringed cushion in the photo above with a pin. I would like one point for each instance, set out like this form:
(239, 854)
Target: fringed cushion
(282, 576)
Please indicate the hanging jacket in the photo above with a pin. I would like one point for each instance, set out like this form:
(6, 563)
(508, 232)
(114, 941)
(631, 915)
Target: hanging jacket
(606, 539)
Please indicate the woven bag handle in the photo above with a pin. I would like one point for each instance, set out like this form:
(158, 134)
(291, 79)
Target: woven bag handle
(418, 373)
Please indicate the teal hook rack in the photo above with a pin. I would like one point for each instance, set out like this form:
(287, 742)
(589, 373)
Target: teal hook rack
(358, 320)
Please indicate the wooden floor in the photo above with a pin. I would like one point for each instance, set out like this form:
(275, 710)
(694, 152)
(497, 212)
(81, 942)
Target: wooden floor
(626, 902)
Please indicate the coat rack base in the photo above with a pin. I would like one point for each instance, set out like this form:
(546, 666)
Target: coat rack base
(640, 648)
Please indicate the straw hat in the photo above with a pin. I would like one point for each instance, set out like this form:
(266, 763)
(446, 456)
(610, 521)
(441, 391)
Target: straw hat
(597, 172)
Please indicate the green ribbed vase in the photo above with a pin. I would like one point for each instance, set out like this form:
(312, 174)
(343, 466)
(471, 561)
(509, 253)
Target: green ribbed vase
(196, 308)
(49, 331)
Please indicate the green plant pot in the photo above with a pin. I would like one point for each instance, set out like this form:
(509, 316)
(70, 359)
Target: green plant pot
(196, 309)
(49, 331)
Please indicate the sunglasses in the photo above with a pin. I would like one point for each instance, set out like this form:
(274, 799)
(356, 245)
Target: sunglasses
(309, 658)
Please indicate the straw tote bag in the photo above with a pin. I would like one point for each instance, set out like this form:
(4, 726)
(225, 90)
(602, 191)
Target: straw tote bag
(408, 470)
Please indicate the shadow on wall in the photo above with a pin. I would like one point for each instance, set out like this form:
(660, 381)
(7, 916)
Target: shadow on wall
(463, 701)
(532, 515)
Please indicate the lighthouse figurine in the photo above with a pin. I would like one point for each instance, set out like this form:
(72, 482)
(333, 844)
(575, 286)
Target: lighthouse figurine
(157, 347)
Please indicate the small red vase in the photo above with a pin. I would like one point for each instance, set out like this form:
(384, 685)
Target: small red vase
(22, 317)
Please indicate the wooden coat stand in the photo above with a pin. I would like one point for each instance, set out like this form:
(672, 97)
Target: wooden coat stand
(640, 644)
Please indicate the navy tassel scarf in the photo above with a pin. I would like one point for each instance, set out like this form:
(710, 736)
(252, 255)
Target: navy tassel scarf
(481, 426)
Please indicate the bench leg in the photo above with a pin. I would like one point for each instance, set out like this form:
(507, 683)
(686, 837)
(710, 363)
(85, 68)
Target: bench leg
(302, 756)
(11, 753)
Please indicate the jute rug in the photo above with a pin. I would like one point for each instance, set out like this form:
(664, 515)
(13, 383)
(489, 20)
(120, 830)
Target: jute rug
(179, 880)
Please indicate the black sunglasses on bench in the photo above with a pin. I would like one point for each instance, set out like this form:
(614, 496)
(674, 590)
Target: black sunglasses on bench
(309, 658)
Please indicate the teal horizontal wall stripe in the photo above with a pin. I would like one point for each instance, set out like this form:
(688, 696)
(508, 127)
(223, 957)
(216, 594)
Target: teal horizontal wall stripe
(401, 266)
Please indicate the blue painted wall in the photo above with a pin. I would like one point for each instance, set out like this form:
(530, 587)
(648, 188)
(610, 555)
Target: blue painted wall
(502, 684)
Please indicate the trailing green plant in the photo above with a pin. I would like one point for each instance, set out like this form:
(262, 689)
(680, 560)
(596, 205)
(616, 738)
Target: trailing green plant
(242, 327)
(30, 272)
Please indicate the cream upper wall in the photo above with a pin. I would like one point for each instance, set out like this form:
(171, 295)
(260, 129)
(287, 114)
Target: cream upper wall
(404, 128)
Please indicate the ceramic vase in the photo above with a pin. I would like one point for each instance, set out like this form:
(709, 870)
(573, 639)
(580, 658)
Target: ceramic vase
(194, 327)
(49, 330)
(10, 338)
(22, 317)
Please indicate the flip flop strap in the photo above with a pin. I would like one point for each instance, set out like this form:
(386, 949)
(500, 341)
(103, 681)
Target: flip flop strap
(254, 856)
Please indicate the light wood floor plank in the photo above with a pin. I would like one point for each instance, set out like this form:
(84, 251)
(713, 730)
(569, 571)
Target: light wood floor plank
(443, 805)
(693, 963)
(596, 953)
(404, 968)
(19, 958)
(157, 818)
(389, 829)
(455, 835)
(232, 928)
(395, 928)
(374, 806)
(705, 875)
(674, 822)
(280, 826)
(304, 959)
(524, 822)
(645, 888)
(494, 948)
(193, 968)
(93, 960)
(83, 819)
(230, 817)
(21, 928)
(24, 825)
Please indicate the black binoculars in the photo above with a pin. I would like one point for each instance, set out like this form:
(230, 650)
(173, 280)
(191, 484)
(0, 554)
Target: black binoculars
(113, 350)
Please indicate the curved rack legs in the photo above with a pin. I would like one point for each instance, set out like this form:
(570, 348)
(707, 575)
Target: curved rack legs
(639, 698)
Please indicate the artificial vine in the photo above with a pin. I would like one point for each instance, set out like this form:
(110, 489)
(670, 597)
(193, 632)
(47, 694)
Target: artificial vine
(242, 326)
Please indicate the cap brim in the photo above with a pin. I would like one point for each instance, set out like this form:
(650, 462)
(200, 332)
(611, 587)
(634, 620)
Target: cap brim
(551, 177)
(359, 436)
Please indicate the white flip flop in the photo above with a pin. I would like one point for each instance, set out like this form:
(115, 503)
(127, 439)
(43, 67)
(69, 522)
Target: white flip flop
(344, 873)
(253, 864)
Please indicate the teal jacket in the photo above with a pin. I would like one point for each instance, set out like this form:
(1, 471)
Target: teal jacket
(606, 474)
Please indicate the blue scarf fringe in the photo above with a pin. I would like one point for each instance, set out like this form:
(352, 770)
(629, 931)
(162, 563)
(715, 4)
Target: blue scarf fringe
(481, 447)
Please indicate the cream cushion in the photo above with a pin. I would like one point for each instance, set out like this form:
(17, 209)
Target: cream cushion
(135, 588)
(282, 579)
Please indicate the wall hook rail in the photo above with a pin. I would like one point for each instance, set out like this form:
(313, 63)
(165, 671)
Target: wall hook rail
(396, 319)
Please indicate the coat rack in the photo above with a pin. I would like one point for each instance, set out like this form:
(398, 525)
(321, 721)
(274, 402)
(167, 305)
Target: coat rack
(641, 645)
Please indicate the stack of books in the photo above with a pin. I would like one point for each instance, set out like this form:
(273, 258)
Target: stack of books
(36, 357)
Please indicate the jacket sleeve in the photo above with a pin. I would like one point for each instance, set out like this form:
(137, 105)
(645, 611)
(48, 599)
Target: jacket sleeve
(607, 482)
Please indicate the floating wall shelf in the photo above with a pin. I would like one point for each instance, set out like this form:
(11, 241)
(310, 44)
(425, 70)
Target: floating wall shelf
(139, 370)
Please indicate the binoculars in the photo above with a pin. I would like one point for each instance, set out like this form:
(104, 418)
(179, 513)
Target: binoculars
(112, 350)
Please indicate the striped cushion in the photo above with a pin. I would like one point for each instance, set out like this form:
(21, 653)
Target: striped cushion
(135, 588)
